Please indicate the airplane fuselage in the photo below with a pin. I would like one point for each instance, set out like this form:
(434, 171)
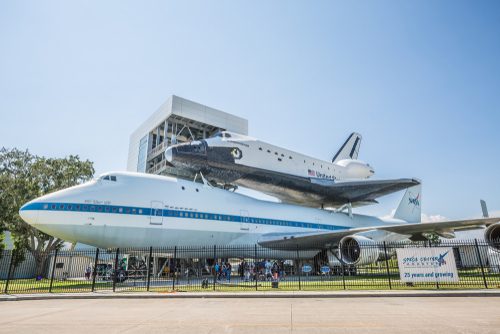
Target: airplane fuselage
(141, 210)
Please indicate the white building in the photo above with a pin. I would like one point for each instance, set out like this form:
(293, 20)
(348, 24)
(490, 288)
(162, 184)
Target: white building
(177, 120)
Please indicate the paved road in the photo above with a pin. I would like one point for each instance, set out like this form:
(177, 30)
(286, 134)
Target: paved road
(253, 315)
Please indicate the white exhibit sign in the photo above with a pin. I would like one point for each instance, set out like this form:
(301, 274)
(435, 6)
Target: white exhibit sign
(422, 264)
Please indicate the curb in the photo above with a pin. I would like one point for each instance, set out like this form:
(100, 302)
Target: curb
(180, 295)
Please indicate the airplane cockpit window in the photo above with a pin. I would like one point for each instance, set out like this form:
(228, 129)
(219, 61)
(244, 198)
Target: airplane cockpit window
(109, 178)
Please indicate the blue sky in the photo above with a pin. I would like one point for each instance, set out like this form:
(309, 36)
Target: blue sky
(419, 79)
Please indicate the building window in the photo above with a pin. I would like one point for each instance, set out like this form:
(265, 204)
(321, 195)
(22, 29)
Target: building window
(143, 154)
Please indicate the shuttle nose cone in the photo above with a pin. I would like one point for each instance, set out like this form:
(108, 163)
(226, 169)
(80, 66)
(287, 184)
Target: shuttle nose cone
(29, 213)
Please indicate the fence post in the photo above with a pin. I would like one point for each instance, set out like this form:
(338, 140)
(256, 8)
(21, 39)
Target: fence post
(175, 269)
(149, 268)
(387, 266)
(115, 276)
(10, 271)
(255, 267)
(215, 259)
(94, 272)
(437, 281)
(53, 269)
(298, 267)
(481, 263)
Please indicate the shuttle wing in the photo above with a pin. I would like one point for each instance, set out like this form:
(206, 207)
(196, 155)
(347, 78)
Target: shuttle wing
(362, 191)
(315, 240)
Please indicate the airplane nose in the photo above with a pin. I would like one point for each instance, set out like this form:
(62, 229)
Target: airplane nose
(29, 213)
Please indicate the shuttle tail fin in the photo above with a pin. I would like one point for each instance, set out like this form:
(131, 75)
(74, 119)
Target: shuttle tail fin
(350, 148)
(409, 208)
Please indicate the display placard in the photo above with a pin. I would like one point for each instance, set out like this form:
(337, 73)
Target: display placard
(427, 264)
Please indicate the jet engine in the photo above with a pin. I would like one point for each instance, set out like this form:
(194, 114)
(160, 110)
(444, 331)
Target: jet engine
(355, 169)
(359, 250)
(492, 236)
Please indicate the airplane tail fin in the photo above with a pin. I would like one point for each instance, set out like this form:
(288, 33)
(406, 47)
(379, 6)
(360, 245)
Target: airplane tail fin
(350, 149)
(484, 208)
(409, 208)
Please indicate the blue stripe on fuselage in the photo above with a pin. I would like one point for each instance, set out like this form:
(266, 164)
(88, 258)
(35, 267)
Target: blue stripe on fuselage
(132, 210)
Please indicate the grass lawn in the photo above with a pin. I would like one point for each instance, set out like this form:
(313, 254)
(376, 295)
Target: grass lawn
(365, 280)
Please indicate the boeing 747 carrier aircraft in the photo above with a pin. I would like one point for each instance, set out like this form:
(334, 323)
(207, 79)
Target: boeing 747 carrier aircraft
(122, 209)
(231, 158)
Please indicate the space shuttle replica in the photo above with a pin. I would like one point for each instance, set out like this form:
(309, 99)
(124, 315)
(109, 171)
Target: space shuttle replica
(230, 158)
(123, 209)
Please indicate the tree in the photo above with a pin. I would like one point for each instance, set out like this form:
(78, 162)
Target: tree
(23, 177)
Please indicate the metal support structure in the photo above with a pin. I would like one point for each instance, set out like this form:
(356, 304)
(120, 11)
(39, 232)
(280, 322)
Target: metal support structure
(387, 266)
(10, 271)
(149, 268)
(174, 277)
(115, 276)
(94, 272)
(53, 270)
(347, 206)
(481, 263)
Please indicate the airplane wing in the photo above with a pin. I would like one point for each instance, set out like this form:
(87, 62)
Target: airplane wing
(363, 191)
(318, 240)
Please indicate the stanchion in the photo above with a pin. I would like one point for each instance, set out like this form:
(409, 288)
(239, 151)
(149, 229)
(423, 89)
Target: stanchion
(255, 267)
(387, 267)
(53, 270)
(94, 272)
(481, 263)
(215, 259)
(175, 269)
(298, 267)
(10, 271)
(149, 268)
(115, 276)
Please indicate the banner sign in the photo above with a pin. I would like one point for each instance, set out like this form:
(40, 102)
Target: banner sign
(421, 264)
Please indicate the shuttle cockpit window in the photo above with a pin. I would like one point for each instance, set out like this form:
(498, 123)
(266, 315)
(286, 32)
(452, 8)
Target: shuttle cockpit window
(221, 134)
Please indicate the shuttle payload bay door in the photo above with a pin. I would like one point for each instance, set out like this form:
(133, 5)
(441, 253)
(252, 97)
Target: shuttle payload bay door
(245, 221)
(156, 217)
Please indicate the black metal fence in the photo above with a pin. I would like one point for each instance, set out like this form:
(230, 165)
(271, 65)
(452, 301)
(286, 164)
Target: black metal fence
(250, 268)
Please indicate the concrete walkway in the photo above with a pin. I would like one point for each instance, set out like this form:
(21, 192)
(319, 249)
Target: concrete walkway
(395, 314)
(257, 294)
